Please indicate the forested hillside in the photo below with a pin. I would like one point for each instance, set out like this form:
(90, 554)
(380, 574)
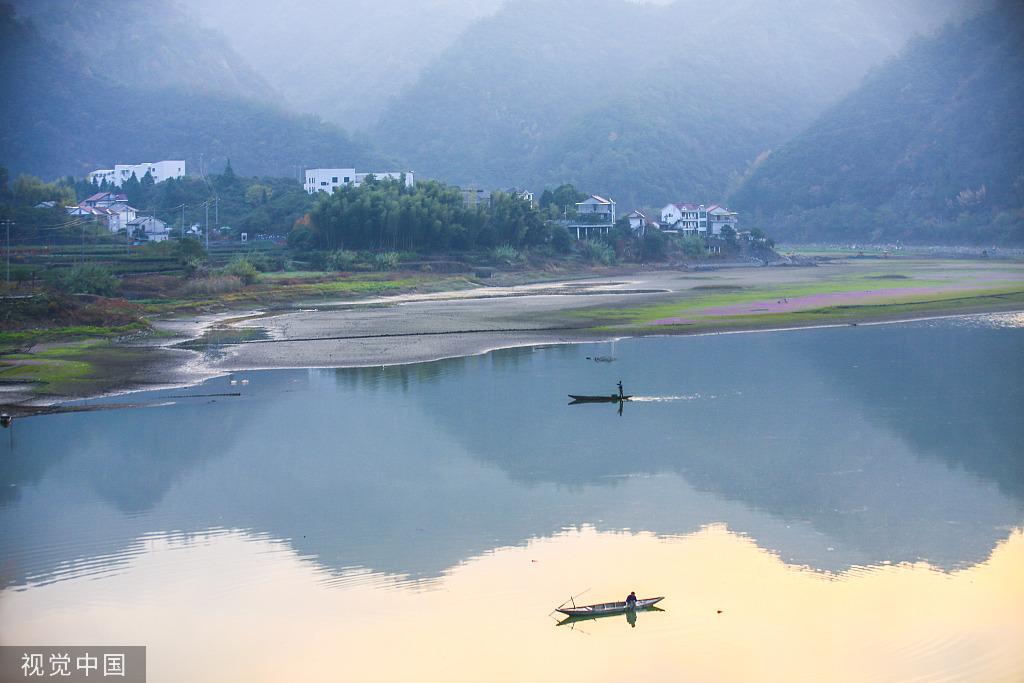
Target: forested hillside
(64, 115)
(145, 43)
(645, 102)
(929, 149)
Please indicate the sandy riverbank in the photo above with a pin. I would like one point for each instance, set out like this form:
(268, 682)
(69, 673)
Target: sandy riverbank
(412, 328)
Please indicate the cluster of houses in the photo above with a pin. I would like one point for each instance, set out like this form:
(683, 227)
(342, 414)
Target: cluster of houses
(594, 216)
(112, 210)
(690, 219)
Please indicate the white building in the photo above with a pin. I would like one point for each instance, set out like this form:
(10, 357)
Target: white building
(326, 179)
(687, 218)
(149, 228)
(595, 215)
(160, 170)
(639, 222)
(697, 219)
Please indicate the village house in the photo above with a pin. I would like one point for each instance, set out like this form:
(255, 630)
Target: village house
(109, 208)
(595, 215)
(698, 219)
(720, 217)
(524, 195)
(639, 222)
(326, 179)
(159, 170)
(149, 228)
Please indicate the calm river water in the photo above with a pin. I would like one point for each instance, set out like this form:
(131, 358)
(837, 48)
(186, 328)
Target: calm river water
(830, 504)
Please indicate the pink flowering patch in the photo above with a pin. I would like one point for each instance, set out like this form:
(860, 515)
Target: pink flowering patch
(814, 301)
(673, 321)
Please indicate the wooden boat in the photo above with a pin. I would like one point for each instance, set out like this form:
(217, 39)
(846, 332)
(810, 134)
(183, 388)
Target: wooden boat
(608, 607)
(613, 398)
(630, 616)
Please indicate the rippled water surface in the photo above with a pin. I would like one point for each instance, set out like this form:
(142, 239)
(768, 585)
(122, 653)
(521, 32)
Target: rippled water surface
(832, 504)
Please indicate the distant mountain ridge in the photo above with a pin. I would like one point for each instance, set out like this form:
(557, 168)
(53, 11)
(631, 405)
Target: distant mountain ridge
(145, 44)
(643, 102)
(342, 60)
(67, 115)
(929, 148)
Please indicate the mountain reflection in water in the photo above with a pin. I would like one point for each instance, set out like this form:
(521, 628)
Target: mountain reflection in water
(833, 448)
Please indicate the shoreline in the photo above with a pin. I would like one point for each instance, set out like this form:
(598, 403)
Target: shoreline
(411, 328)
(74, 404)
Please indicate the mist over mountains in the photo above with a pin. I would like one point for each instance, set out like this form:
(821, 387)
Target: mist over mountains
(70, 108)
(692, 100)
(342, 60)
(642, 102)
(930, 146)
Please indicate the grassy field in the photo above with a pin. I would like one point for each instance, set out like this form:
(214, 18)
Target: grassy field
(891, 289)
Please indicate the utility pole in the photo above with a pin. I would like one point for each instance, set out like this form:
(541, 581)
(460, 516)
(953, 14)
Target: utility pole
(8, 250)
(216, 212)
(83, 243)
(183, 222)
(207, 205)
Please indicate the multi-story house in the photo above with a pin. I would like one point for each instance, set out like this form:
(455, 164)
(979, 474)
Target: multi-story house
(595, 215)
(326, 179)
(720, 217)
(698, 219)
(159, 170)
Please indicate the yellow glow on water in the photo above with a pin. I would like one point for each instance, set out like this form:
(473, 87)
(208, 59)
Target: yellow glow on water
(228, 608)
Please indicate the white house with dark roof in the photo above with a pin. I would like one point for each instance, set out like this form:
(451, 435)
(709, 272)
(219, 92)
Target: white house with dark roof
(639, 222)
(595, 215)
(150, 228)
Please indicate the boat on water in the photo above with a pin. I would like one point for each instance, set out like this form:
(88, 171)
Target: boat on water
(613, 398)
(608, 607)
(630, 616)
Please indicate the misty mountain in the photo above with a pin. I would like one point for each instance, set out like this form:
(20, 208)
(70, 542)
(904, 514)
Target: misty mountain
(930, 148)
(340, 59)
(65, 115)
(145, 44)
(645, 102)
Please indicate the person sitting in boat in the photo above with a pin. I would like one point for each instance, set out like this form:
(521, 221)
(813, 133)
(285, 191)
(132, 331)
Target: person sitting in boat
(631, 600)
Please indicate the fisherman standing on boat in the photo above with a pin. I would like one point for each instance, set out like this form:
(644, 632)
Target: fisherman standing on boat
(620, 398)
(631, 600)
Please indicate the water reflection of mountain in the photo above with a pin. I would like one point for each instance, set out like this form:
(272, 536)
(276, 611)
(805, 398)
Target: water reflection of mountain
(351, 468)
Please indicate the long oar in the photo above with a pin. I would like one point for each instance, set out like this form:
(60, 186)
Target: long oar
(572, 598)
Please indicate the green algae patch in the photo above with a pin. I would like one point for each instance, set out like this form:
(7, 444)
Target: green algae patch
(853, 298)
(73, 369)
